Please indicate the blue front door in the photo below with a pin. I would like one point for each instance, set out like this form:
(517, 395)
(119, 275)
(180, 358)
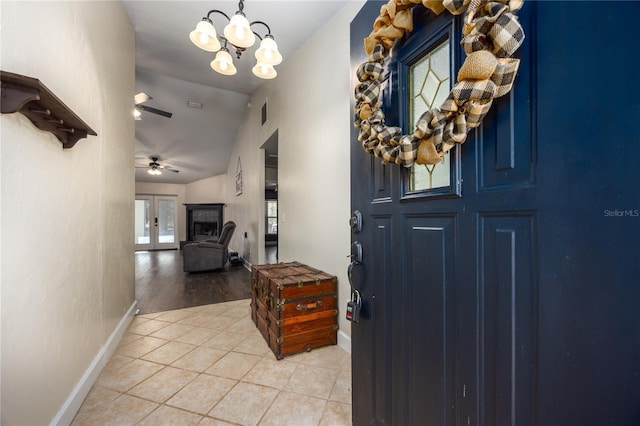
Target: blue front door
(509, 293)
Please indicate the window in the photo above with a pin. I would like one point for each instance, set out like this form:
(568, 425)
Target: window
(429, 86)
(272, 217)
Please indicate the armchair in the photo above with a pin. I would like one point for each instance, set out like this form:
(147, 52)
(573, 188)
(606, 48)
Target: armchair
(208, 255)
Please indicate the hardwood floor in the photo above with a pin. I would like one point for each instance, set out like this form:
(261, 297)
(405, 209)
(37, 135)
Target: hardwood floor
(161, 285)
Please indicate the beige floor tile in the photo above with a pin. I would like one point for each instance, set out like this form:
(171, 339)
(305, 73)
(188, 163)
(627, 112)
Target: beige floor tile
(172, 331)
(125, 410)
(312, 381)
(233, 365)
(210, 321)
(238, 312)
(342, 389)
(225, 341)
(239, 303)
(138, 319)
(95, 402)
(163, 385)
(199, 359)
(328, 356)
(126, 377)
(175, 315)
(168, 353)
(153, 315)
(294, 409)
(336, 414)
(129, 338)
(198, 335)
(146, 327)
(244, 404)
(221, 341)
(244, 325)
(171, 416)
(216, 309)
(202, 394)
(210, 421)
(271, 373)
(116, 362)
(253, 345)
(140, 347)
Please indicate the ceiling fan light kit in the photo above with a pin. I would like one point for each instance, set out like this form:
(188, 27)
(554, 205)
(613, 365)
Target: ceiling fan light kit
(155, 168)
(240, 36)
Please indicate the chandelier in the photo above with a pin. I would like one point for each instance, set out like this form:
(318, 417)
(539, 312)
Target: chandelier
(240, 36)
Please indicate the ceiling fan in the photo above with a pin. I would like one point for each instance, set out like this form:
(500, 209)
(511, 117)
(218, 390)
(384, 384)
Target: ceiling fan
(155, 168)
(141, 98)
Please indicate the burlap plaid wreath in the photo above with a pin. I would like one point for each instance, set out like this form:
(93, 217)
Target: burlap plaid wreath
(491, 35)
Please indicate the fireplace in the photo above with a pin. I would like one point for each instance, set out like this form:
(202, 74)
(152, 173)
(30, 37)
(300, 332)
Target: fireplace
(205, 230)
(204, 221)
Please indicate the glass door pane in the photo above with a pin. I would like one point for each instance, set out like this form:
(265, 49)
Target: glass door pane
(143, 226)
(166, 217)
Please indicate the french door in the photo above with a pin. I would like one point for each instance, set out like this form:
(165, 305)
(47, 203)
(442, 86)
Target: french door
(155, 222)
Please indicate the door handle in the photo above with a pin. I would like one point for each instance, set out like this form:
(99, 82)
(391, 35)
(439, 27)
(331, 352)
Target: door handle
(156, 221)
(356, 252)
(355, 304)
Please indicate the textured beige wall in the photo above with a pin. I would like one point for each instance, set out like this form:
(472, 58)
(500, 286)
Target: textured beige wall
(67, 215)
(210, 190)
(309, 105)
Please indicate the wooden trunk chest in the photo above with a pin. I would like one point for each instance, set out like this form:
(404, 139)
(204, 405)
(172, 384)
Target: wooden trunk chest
(294, 306)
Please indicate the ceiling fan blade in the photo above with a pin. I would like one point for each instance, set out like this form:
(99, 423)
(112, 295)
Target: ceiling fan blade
(155, 111)
(169, 169)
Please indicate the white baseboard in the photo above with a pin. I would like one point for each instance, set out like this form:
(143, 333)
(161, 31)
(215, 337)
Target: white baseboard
(71, 406)
(344, 341)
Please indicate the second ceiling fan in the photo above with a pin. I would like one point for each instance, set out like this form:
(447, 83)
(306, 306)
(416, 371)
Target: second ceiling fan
(155, 168)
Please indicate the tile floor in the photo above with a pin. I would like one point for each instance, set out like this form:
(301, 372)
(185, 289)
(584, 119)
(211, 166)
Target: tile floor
(209, 365)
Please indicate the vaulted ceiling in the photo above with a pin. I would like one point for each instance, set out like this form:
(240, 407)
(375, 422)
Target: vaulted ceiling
(199, 142)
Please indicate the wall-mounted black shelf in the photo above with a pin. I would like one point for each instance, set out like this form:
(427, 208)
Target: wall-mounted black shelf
(30, 97)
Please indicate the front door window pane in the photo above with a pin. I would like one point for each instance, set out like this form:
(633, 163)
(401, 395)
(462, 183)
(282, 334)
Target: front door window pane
(430, 83)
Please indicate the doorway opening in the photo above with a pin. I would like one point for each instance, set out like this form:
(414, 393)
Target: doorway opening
(155, 222)
(271, 198)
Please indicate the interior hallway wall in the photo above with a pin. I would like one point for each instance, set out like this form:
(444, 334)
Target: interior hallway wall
(67, 215)
(210, 190)
(309, 104)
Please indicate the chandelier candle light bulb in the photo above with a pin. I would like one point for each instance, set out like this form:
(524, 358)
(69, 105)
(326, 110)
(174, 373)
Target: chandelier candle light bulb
(241, 36)
(265, 71)
(238, 32)
(205, 36)
(223, 63)
(268, 52)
